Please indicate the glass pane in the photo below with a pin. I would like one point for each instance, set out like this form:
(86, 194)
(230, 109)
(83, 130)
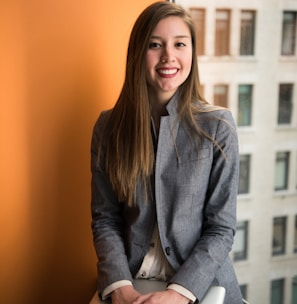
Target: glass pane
(288, 34)
(198, 16)
(294, 290)
(243, 289)
(279, 230)
(244, 105)
(244, 174)
(240, 241)
(221, 95)
(280, 181)
(277, 291)
(281, 171)
(247, 33)
(222, 32)
(295, 236)
(285, 103)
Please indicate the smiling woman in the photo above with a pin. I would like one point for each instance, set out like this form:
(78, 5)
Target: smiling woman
(164, 173)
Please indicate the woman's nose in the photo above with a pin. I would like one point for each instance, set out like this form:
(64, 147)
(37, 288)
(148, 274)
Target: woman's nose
(168, 55)
(164, 59)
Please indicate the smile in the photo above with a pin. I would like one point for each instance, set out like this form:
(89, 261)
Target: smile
(167, 72)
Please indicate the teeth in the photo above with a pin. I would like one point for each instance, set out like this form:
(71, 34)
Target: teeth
(168, 72)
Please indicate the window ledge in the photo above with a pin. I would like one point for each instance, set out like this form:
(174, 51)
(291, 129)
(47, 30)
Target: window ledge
(244, 197)
(286, 128)
(244, 262)
(246, 58)
(227, 58)
(245, 129)
(283, 257)
(284, 193)
(288, 58)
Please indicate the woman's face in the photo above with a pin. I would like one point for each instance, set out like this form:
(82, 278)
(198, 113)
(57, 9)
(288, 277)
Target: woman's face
(169, 57)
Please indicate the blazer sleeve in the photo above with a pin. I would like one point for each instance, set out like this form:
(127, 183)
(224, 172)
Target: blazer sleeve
(107, 220)
(211, 251)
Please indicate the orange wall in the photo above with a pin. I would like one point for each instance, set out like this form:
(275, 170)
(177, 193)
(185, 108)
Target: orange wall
(61, 63)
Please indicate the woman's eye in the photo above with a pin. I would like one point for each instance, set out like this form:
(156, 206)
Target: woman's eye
(154, 45)
(180, 44)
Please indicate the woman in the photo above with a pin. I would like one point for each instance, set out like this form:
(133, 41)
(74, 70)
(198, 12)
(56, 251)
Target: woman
(164, 173)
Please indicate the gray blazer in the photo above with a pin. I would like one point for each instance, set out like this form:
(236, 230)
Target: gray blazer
(194, 204)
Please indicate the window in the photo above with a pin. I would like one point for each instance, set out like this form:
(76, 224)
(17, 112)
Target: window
(295, 236)
(277, 291)
(285, 103)
(198, 16)
(247, 33)
(243, 289)
(279, 236)
(281, 171)
(221, 95)
(240, 241)
(244, 174)
(294, 290)
(289, 34)
(222, 35)
(244, 105)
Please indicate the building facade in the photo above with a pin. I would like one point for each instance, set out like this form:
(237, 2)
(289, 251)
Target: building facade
(247, 56)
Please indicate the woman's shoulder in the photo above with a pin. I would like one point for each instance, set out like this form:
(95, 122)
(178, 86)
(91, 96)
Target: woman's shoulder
(211, 118)
(210, 113)
(102, 118)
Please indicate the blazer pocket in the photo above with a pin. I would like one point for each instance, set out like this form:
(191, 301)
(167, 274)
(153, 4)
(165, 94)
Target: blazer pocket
(192, 156)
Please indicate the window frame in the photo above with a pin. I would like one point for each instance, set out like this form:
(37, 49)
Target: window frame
(277, 285)
(288, 37)
(244, 290)
(285, 103)
(242, 119)
(243, 254)
(294, 290)
(221, 99)
(244, 174)
(247, 33)
(295, 235)
(222, 32)
(199, 24)
(279, 231)
(282, 163)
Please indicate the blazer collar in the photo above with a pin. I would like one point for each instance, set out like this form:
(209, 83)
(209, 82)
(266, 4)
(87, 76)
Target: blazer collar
(171, 106)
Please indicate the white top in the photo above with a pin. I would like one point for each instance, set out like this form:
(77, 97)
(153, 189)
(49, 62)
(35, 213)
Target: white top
(155, 267)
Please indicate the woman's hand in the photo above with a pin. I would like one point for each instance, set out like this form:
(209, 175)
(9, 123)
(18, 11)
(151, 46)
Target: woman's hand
(124, 295)
(162, 297)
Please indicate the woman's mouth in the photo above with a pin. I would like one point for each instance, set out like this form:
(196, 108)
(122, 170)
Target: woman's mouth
(168, 72)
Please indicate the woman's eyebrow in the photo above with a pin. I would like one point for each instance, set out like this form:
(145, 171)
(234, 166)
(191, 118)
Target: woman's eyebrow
(178, 36)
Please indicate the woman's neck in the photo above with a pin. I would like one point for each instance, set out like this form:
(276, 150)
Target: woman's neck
(158, 108)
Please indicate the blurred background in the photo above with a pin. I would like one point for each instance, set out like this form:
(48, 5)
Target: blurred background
(62, 62)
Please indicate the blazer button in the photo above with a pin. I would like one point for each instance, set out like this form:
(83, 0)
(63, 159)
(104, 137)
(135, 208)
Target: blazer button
(168, 250)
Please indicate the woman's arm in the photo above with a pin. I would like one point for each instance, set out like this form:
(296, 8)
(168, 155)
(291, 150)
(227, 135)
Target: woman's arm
(107, 221)
(219, 216)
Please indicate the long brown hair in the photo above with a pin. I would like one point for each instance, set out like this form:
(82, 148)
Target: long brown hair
(129, 157)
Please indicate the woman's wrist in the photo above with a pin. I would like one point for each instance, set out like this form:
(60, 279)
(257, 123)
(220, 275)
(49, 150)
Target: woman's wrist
(183, 299)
